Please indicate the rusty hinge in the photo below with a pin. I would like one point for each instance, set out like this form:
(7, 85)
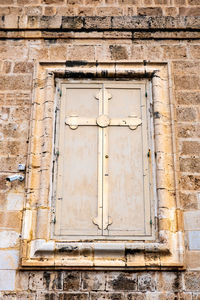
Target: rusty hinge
(60, 92)
(53, 217)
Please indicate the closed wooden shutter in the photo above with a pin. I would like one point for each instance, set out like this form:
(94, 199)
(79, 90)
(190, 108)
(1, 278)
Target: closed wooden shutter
(104, 179)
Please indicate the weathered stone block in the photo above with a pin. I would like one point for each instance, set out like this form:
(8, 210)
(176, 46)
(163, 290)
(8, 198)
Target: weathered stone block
(15, 201)
(72, 2)
(71, 281)
(23, 67)
(109, 296)
(193, 260)
(192, 220)
(11, 220)
(95, 281)
(8, 2)
(81, 52)
(188, 200)
(179, 2)
(62, 296)
(130, 22)
(171, 11)
(186, 131)
(11, 21)
(28, 2)
(169, 281)
(22, 281)
(187, 82)
(7, 67)
(118, 52)
(8, 239)
(72, 23)
(109, 11)
(190, 165)
(194, 240)
(190, 182)
(15, 82)
(174, 52)
(186, 67)
(7, 280)
(146, 282)
(190, 147)
(195, 51)
(185, 11)
(136, 296)
(97, 22)
(188, 97)
(186, 114)
(58, 52)
(50, 22)
(122, 281)
(49, 11)
(53, 2)
(150, 11)
(161, 2)
(9, 259)
(192, 281)
(85, 11)
(36, 281)
(33, 11)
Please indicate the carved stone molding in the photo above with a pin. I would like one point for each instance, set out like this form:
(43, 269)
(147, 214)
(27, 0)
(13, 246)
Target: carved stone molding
(39, 248)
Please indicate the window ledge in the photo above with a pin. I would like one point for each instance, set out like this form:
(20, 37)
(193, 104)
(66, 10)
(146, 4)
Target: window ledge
(41, 246)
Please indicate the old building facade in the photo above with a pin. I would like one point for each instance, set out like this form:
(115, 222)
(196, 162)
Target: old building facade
(104, 52)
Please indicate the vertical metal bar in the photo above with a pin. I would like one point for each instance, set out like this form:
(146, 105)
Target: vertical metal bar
(106, 220)
(99, 219)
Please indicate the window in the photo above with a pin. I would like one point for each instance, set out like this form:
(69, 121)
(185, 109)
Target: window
(104, 187)
(101, 188)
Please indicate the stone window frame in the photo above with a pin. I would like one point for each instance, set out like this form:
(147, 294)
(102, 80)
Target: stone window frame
(39, 248)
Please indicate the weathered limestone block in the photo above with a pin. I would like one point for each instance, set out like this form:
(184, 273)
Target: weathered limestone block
(95, 281)
(122, 281)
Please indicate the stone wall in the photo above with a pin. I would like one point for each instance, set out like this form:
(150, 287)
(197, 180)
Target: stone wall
(101, 7)
(21, 47)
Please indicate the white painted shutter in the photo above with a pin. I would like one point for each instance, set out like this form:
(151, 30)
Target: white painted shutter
(77, 164)
(103, 182)
(129, 198)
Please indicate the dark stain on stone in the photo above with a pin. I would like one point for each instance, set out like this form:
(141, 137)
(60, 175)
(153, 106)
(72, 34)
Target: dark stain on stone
(124, 283)
(133, 251)
(51, 296)
(177, 284)
(47, 279)
(68, 249)
(157, 115)
(75, 63)
(50, 41)
(103, 74)
(116, 297)
(78, 75)
(57, 282)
